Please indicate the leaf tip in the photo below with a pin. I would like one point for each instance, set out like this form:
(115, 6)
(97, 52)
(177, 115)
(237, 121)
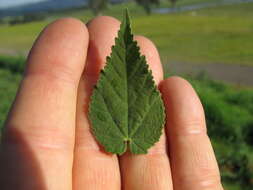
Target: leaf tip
(126, 16)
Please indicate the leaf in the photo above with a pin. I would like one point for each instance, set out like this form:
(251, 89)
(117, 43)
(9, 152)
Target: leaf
(126, 108)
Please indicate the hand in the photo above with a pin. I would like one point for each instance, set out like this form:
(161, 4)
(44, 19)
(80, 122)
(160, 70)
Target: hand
(47, 144)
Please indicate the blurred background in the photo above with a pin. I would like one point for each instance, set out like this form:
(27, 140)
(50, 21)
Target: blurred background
(209, 42)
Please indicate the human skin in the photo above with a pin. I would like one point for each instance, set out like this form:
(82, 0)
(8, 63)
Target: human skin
(47, 143)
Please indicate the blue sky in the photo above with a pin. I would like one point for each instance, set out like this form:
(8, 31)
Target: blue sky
(11, 3)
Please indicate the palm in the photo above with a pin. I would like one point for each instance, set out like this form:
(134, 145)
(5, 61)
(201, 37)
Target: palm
(48, 143)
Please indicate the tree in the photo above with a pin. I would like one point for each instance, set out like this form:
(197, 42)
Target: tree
(173, 3)
(97, 6)
(146, 4)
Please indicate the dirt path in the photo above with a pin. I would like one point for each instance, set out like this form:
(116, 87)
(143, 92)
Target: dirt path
(237, 74)
(13, 52)
(198, 6)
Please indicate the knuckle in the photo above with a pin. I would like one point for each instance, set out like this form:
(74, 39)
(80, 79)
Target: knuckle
(204, 182)
(44, 139)
(159, 149)
(194, 127)
(209, 182)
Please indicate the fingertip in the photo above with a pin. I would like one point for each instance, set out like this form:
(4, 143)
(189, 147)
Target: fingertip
(61, 48)
(73, 24)
(108, 20)
(64, 29)
(178, 88)
(102, 26)
(183, 104)
(102, 32)
(174, 81)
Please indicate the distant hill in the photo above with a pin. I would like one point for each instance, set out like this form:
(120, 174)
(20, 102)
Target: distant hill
(41, 6)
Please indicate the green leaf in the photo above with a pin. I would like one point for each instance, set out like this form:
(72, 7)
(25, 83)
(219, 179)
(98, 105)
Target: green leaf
(126, 108)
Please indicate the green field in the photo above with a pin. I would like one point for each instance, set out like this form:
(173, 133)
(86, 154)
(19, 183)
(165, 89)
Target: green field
(211, 35)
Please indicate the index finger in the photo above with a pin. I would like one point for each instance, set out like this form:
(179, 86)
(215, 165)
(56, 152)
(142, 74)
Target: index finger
(39, 139)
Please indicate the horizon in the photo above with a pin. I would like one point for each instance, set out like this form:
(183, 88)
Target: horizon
(15, 3)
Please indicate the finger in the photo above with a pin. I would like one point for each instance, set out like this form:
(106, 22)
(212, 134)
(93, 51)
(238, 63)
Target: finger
(192, 158)
(93, 168)
(41, 125)
(152, 170)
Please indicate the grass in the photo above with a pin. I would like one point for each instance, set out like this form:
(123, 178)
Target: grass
(8, 87)
(212, 35)
(228, 111)
(20, 37)
(13, 64)
(199, 39)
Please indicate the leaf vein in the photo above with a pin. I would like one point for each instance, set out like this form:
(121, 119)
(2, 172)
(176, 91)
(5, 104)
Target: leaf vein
(143, 119)
(106, 106)
(139, 146)
(114, 89)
